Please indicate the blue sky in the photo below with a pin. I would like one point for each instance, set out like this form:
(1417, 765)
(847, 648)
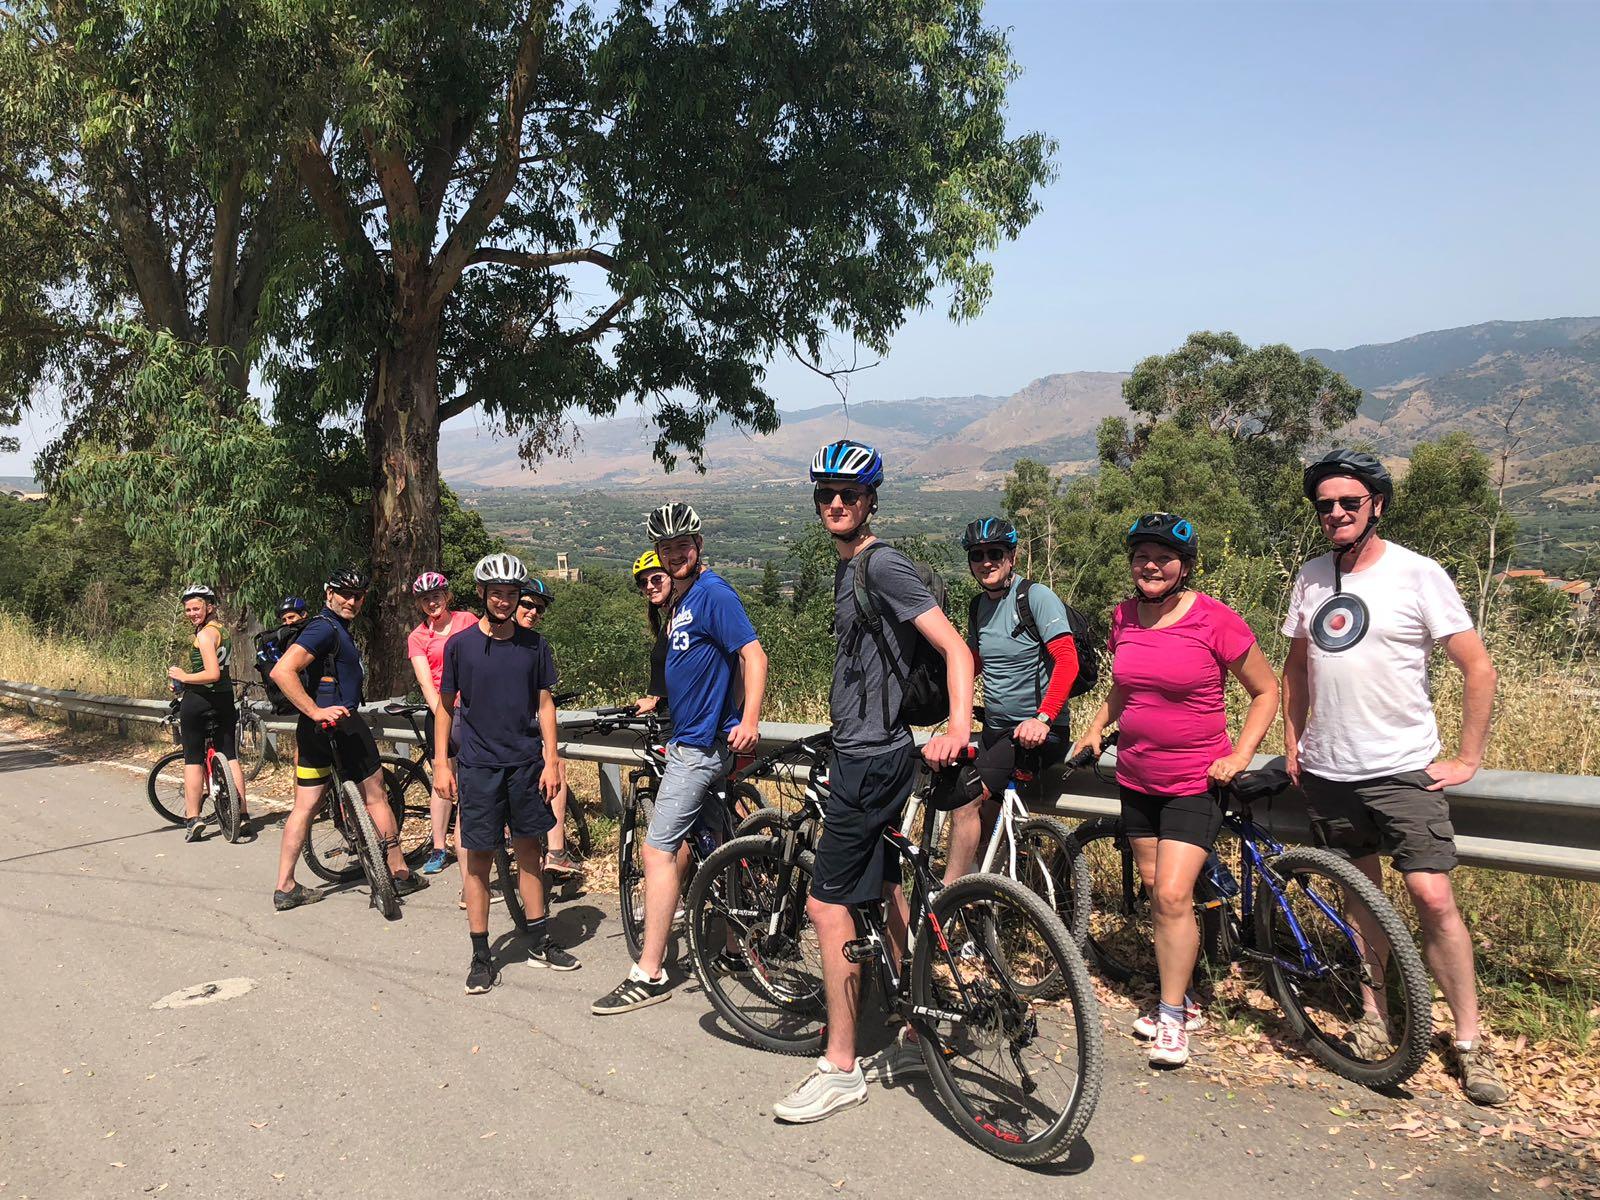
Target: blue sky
(1320, 174)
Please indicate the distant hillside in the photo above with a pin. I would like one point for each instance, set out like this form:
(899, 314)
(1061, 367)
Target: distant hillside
(1418, 388)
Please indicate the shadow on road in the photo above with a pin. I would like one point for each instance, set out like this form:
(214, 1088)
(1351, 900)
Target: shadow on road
(27, 758)
(126, 837)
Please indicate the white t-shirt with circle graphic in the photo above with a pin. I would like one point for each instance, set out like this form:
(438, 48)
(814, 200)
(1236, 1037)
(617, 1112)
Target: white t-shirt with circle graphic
(1371, 710)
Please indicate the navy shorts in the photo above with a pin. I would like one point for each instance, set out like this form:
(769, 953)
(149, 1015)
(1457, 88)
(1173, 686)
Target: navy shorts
(492, 799)
(865, 797)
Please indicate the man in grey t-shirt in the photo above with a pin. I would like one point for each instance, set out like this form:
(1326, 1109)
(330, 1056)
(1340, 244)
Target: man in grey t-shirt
(874, 763)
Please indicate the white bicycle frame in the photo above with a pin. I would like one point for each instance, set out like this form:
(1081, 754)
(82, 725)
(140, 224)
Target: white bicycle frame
(1012, 813)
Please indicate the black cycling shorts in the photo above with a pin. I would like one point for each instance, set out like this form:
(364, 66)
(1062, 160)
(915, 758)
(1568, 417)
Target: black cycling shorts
(865, 797)
(351, 740)
(202, 714)
(999, 757)
(1193, 819)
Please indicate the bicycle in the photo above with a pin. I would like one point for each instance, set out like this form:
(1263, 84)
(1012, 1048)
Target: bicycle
(218, 793)
(252, 702)
(992, 1043)
(1328, 939)
(736, 801)
(347, 842)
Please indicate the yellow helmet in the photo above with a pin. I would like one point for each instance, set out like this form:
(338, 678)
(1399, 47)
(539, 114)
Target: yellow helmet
(648, 561)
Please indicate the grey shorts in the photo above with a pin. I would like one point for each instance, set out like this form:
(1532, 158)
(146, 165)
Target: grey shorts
(1393, 815)
(691, 773)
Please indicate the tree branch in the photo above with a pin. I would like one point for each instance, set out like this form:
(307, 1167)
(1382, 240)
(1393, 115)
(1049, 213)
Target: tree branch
(148, 259)
(316, 172)
(410, 242)
(601, 323)
(224, 255)
(539, 262)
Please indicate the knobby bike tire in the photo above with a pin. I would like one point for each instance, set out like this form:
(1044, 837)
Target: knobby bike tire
(1119, 942)
(228, 802)
(768, 822)
(507, 879)
(580, 842)
(979, 1119)
(1416, 1009)
(630, 868)
(164, 787)
(330, 850)
(410, 789)
(778, 1004)
(1063, 873)
(252, 739)
(370, 849)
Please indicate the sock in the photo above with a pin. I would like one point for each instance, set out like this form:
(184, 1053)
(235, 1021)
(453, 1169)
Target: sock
(1172, 1012)
(1460, 1045)
(480, 946)
(538, 932)
(636, 973)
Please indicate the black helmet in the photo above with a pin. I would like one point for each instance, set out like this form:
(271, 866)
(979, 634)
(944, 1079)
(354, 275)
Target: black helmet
(536, 587)
(989, 531)
(347, 579)
(1165, 529)
(1356, 464)
(291, 604)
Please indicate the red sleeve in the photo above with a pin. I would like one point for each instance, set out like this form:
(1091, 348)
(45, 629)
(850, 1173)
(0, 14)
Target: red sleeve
(1063, 653)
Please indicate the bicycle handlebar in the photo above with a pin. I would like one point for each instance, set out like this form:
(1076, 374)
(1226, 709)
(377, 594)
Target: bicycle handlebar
(625, 710)
(1089, 754)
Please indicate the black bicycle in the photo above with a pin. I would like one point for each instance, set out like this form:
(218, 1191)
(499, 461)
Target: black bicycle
(1018, 1071)
(1337, 956)
(343, 842)
(219, 794)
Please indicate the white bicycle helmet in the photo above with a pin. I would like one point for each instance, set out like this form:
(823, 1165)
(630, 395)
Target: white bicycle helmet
(197, 591)
(499, 568)
(672, 520)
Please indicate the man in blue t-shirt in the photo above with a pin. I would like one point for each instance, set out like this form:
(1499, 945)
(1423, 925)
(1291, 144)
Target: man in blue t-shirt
(329, 732)
(497, 682)
(716, 677)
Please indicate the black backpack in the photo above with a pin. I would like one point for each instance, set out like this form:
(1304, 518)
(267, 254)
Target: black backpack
(925, 695)
(270, 647)
(1083, 642)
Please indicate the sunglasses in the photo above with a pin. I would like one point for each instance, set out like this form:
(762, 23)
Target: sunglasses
(825, 495)
(533, 604)
(1348, 503)
(349, 593)
(992, 554)
(654, 579)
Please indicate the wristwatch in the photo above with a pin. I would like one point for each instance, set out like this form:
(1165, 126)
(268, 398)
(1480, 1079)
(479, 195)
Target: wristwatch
(1042, 716)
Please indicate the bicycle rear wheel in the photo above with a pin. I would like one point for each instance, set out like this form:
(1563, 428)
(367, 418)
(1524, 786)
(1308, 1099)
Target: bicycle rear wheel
(748, 897)
(370, 852)
(330, 849)
(1334, 935)
(410, 792)
(164, 787)
(1020, 1074)
(228, 802)
(630, 869)
(1050, 865)
(1120, 938)
(252, 738)
(508, 878)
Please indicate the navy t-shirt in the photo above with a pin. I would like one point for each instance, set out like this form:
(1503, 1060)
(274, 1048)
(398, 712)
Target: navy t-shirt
(705, 632)
(334, 653)
(498, 685)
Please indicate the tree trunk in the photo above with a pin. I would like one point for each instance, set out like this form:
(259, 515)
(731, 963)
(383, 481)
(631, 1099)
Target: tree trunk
(402, 436)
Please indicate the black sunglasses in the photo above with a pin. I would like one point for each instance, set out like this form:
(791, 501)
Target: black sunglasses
(651, 580)
(530, 602)
(349, 593)
(986, 554)
(825, 495)
(1348, 503)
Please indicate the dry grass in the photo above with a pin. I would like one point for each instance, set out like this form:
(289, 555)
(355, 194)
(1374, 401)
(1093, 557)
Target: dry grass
(29, 654)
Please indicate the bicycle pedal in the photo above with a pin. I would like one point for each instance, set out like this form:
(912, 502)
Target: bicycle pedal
(860, 950)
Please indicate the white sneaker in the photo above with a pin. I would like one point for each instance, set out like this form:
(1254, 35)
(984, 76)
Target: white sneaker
(1171, 1047)
(825, 1091)
(1193, 1020)
(896, 1063)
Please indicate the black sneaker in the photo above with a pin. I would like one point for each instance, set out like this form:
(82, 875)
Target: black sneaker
(404, 885)
(295, 897)
(633, 992)
(731, 962)
(552, 956)
(195, 829)
(481, 976)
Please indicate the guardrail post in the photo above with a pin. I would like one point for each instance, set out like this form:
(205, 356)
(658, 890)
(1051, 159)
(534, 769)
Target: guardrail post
(122, 727)
(611, 789)
(72, 719)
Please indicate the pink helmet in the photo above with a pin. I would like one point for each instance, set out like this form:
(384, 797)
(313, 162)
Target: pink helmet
(428, 581)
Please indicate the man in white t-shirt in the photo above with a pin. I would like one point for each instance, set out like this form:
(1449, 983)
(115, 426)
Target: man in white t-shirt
(1360, 735)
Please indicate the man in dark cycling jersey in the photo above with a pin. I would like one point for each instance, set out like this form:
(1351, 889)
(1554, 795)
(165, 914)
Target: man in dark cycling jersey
(329, 722)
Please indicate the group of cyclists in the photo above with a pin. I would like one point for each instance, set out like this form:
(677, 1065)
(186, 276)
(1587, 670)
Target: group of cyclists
(1359, 728)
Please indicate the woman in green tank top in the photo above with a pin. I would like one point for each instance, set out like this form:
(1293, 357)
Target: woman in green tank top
(207, 708)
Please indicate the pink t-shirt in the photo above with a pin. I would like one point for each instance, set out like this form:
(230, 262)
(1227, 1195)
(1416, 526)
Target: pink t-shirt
(424, 641)
(1173, 725)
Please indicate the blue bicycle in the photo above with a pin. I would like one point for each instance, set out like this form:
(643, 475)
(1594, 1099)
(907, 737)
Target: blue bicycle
(1337, 956)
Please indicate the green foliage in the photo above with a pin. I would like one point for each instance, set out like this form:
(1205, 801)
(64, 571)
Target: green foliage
(1446, 507)
(463, 540)
(770, 595)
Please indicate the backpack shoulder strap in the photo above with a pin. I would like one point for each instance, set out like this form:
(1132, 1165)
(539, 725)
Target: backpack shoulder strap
(867, 610)
(972, 624)
(1026, 622)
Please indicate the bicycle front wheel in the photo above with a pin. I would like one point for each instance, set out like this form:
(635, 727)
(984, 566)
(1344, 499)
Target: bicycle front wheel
(1120, 938)
(1020, 1074)
(753, 946)
(630, 869)
(508, 878)
(370, 852)
(228, 801)
(1345, 968)
(164, 787)
(330, 849)
(252, 739)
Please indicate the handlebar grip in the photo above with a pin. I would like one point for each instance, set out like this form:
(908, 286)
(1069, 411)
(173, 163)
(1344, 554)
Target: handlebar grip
(626, 710)
(561, 698)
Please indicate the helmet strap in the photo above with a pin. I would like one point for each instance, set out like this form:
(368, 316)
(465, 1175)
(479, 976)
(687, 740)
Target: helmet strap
(1001, 588)
(1178, 587)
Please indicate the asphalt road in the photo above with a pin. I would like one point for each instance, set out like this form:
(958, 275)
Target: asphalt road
(356, 1066)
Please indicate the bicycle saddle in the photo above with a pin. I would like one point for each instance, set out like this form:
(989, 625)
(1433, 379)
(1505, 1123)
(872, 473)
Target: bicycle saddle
(404, 710)
(1250, 786)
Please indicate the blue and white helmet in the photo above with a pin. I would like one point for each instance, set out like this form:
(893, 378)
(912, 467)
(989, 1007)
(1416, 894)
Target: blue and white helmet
(848, 462)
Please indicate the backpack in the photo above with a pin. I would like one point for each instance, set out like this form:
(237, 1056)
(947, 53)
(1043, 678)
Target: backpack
(1088, 665)
(925, 694)
(270, 646)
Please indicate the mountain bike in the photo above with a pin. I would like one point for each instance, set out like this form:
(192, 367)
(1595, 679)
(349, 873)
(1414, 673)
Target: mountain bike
(251, 701)
(219, 794)
(730, 802)
(343, 843)
(1332, 946)
(1018, 1072)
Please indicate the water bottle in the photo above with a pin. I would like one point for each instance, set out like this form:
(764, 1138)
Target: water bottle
(704, 840)
(1220, 879)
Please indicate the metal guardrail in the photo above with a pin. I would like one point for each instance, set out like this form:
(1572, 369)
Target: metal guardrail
(1526, 821)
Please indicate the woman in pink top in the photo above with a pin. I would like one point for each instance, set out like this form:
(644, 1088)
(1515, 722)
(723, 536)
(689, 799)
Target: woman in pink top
(1172, 649)
(425, 648)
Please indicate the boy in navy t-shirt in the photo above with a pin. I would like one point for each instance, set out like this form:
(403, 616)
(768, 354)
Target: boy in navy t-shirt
(710, 645)
(507, 768)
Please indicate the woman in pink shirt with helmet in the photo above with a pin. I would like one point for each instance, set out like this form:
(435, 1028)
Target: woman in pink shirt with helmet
(425, 648)
(1172, 649)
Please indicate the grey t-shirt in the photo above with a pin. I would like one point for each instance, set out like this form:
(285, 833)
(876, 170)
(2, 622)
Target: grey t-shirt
(864, 686)
(1015, 674)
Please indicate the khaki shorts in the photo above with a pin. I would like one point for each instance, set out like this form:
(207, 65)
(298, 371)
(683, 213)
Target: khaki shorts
(1393, 815)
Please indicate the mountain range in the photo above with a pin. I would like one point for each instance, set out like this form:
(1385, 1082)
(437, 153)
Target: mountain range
(1541, 376)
